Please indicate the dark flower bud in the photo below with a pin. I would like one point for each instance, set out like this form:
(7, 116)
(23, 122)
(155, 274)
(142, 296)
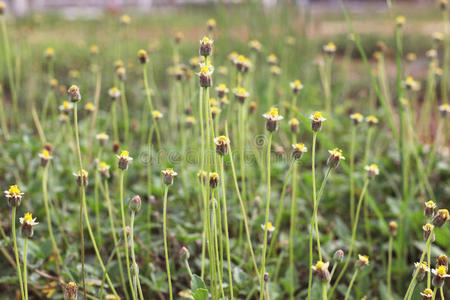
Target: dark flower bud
(74, 93)
(252, 107)
(430, 206)
(442, 260)
(142, 56)
(213, 180)
(393, 228)
(116, 146)
(206, 46)
(222, 144)
(440, 218)
(427, 230)
(168, 175)
(82, 177)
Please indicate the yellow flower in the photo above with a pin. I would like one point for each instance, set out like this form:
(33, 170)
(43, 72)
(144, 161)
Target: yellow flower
(125, 19)
(317, 117)
(89, 107)
(300, 147)
(49, 52)
(427, 294)
(157, 114)
(357, 118)
(45, 154)
(94, 49)
(372, 120)
(272, 59)
(273, 115)
(363, 259)
(255, 45)
(270, 227)
(28, 219)
(372, 170)
(329, 48)
(211, 24)
(400, 21)
(14, 190)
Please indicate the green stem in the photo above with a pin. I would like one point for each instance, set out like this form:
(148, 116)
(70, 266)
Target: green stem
(324, 290)
(16, 252)
(314, 204)
(133, 257)
(114, 121)
(389, 270)
(243, 210)
(292, 229)
(25, 283)
(352, 178)
(9, 67)
(113, 232)
(166, 252)
(349, 289)
(150, 104)
(58, 260)
(352, 242)
(227, 239)
(125, 112)
(263, 257)
(125, 238)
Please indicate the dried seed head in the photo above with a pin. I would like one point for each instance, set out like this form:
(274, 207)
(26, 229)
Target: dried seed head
(71, 291)
(440, 218)
(316, 121)
(252, 107)
(116, 146)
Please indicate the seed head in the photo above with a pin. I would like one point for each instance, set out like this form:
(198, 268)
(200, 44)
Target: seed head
(272, 117)
(335, 157)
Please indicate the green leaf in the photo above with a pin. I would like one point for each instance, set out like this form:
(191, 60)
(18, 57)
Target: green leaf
(201, 294)
(197, 283)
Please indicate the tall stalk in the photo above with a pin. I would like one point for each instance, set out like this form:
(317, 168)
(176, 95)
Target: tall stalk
(133, 256)
(352, 176)
(349, 289)
(266, 221)
(12, 85)
(150, 104)
(313, 171)
(389, 269)
(16, 252)
(25, 283)
(166, 251)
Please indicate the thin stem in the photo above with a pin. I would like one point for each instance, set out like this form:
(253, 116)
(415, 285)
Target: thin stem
(324, 290)
(349, 289)
(263, 257)
(113, 232)
(227, 239)
(166, 252)
(125, 238)
(82, 197)
(9, 67)
(58, 260)
(16, 252)
(389, 268)
(25, 283)
(352, 242)
(133, 257)
(243, 211)
(352, 178)
(313, 170)
(150, 104)
(125, 112)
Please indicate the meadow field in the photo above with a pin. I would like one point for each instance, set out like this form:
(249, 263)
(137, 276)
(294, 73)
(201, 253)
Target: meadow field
(226, 151)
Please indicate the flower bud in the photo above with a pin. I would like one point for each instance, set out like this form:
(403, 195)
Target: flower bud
(421, 269)
(71, 291)
(266, 277)
(440, 273)
(442, 260)
(430, 206)
(338, 255)
(363, 260)
(142, 56)
(184, 253)
(298, 150)
(28, 222)
(116, 146)
(294, 125)
(135, 203)
(393, 228)
(427, 230)
(82, 177)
